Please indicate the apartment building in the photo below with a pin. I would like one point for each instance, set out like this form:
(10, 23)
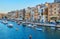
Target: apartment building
(39, 13)
(18, 14)
(28, 14)
(21, 14)
(12, 14)
(32, 14)
(42, 12)
(2, 15)
(53, 11)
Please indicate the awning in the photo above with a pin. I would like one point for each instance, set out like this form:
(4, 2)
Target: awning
(54, 15)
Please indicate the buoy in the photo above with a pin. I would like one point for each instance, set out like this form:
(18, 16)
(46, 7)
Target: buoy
(30, 36)
(16, 29)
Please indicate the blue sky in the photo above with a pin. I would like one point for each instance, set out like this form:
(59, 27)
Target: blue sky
(9, 5)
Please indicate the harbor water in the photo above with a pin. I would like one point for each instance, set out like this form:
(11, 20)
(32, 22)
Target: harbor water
(20, 32)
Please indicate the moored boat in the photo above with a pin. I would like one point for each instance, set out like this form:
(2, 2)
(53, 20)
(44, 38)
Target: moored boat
(10, 25)
(5, 22)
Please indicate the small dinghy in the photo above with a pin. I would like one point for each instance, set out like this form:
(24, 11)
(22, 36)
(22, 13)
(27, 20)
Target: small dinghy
(10, 25)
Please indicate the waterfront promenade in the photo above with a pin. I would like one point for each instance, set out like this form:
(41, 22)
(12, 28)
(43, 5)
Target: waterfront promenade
(43, 24)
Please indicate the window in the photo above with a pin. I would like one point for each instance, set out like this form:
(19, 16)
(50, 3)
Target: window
(41, 10)
(54, 8)
(59, 6)
(59, 12)
(54, 5)
(54, 12)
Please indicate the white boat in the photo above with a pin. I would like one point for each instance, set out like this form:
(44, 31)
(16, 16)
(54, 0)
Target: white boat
(23, 22)
(10, 25)
(8, 19)
(39, 29)
(52, 22)
(29, 25)
(34, 25)
(5, 22)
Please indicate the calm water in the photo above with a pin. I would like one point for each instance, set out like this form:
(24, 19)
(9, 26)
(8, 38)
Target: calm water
(24, 32)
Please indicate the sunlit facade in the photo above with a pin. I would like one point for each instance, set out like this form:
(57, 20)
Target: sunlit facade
(39, 13)
(27, 14)
(54, 11)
